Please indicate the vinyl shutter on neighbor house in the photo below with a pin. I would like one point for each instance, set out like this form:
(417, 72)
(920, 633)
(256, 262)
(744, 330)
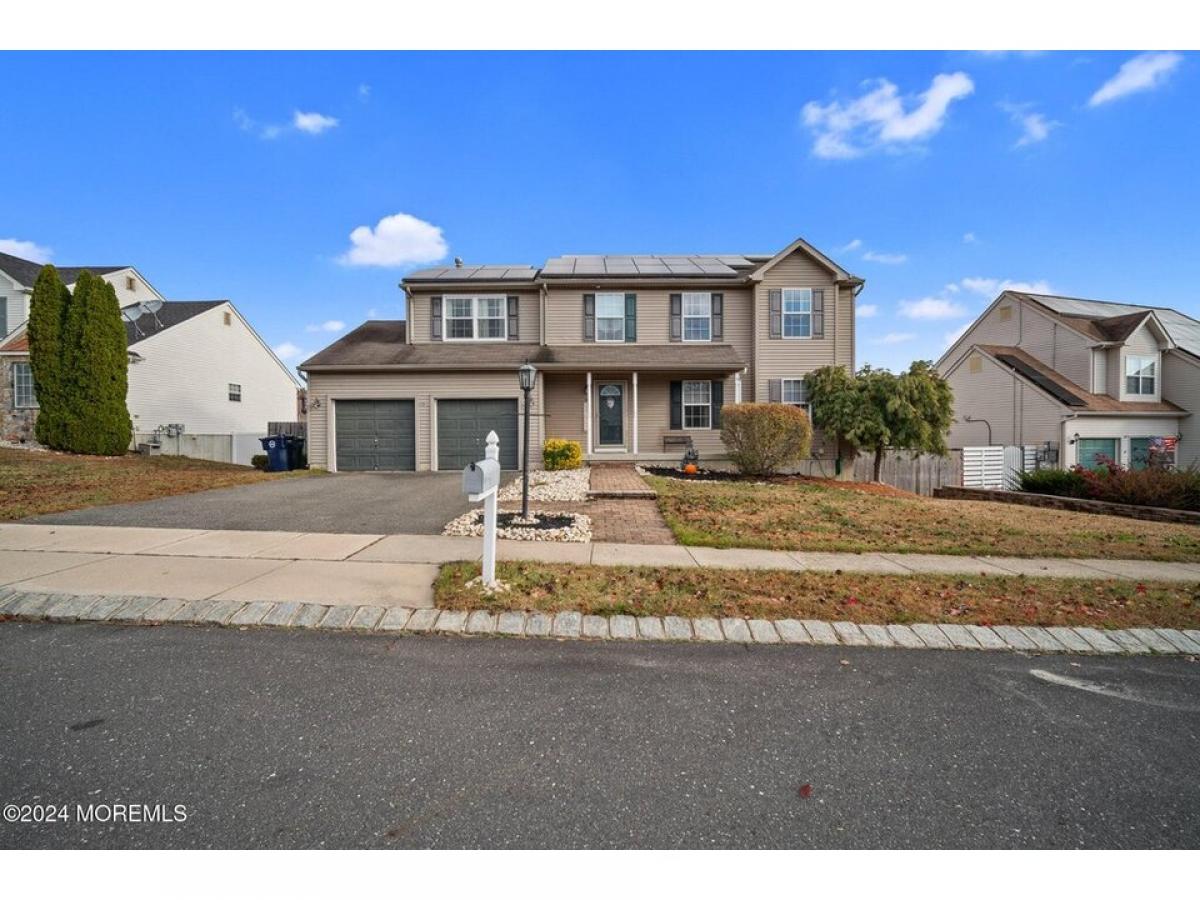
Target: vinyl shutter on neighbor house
(717, 395)
(435, 318)
(589, 317)
(677, 319)
(718, 317)
(676, 405)
(775, 302)
(514, 318)
(818, 314)
(716, 399)
(775, 390)
(630, 318)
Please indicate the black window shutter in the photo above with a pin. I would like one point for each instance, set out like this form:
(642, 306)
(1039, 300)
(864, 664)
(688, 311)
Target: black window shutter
(775, 390)
(676, 405)
(718, 400)
(718, 317)
(677, 317)
(589, 317)
(775, 299)
(435, 318)
(630, 318)
(514, 318)
(818, 314)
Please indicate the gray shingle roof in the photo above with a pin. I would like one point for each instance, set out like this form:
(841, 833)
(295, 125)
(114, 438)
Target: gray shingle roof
(26, 272)
(474, 273)
(1184, 330)
(169, 314)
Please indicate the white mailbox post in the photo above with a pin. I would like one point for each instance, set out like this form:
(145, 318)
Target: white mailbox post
(481, 481)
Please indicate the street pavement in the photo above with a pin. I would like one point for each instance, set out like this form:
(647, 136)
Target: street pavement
(302, 739)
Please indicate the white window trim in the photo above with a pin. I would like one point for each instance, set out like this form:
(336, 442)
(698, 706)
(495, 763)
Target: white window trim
(32, 392)
(229, 392)
(684, 404)
(1119, 446)
(475, 317)
(783, 314)
(683, 317)
(621, 339)
(783, 383)
(1155, 361)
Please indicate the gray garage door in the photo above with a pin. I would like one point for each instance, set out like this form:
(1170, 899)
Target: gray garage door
(375, 436)
(463, 425)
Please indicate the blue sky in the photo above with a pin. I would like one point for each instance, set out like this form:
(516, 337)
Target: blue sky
(935, 176)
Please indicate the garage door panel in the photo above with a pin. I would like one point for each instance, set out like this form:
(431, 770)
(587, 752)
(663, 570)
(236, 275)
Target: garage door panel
(463, 425)
(375, 435)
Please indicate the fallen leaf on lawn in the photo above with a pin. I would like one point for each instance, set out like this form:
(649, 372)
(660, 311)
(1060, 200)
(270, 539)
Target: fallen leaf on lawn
(806, 791)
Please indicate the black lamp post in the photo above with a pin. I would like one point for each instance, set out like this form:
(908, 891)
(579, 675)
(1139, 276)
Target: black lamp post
(527, 373)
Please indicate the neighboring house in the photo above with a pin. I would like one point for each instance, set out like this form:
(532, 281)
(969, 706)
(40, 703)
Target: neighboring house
(635, 356)
(1086, 379)
(195, 363)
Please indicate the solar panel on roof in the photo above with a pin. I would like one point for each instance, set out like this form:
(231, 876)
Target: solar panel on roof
(1050, 387)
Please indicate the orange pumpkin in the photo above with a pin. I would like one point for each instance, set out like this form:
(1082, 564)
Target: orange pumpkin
(690, 469)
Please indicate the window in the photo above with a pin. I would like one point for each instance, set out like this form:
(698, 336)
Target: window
(228, 318)
(1152, 452)
(697, 317)
(130, 283)
(23, 396)
(1091, 453)
(794, 392)
(475, 318)
(797, 312)
(235, 393)
(1139, 374)
(610, 317)
(697, 404)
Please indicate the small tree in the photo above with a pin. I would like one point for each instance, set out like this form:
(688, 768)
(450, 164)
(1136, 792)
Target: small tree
(47, 308)
(762, 438)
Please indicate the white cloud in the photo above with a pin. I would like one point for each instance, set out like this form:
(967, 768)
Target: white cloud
(866, 310)
(1035, 127)
(895, 337)
(364, 92)
(931, 308)
(951, 336)
(853, 245)
(887, 259)
(26, 250)
(333, 325)
(951, 288)
(969, 238)
(990, 287)
(312, 122)
(1142, 73)
(398, 240)
(287, 351)
(882, 118)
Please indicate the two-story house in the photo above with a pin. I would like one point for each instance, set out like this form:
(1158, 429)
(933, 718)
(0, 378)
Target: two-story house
(635, 357)
(1087, 379)
(192, 363)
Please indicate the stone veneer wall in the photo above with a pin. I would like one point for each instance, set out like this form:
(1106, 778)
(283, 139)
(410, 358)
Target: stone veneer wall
(16, 425)
(1048, 501)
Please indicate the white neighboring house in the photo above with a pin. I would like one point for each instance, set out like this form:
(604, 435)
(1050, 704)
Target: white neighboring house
(195, 363)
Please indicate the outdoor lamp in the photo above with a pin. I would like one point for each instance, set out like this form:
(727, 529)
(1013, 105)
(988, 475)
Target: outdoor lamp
(525, 375)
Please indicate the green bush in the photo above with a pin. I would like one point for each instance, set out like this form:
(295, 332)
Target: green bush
(762, 438)
(1056, 482)
(1154, 486)
(259, 461)
(558, 453)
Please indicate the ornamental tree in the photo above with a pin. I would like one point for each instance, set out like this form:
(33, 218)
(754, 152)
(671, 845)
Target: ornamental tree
(47, 308)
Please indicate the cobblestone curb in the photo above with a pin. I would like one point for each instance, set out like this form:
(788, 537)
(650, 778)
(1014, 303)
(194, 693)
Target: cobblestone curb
(29, 606)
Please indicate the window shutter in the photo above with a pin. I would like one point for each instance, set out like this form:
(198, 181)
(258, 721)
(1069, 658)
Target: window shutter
(718, 400)
(435, 318)
(775, 390)
(676, 405)
(775, 299)
(630, 318)
(514, 318)
(818, 314)
(589, 317)
(677, 318)
(718, 317)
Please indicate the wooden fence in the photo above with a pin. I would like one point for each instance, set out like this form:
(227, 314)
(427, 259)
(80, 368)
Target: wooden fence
(290, 429)
(919, 474)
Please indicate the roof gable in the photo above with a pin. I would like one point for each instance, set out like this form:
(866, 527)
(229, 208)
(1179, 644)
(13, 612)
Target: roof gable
(808, 249)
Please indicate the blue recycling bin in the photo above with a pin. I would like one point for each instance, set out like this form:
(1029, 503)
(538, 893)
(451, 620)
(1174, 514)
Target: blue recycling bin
(277, 453)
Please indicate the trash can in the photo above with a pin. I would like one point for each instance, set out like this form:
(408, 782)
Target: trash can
(295, 452)
(277, 454)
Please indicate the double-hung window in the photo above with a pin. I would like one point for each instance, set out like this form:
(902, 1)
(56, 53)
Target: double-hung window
(697, 404)
(475, 318)
(797, 312)
(610, 317)
(1140, 375)
(794, 393)
(697, 317)
(23, 396)
(235, 393)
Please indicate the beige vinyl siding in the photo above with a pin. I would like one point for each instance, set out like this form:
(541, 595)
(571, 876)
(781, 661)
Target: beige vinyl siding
(565, 407)
(1181, 386)
(530, 316)
(424, 388)
(991, 328)
(1018, 413)
(1099, 382)
(1141, 343)
(793, 358)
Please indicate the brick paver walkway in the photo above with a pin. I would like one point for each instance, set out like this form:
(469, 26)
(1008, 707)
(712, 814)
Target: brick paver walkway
(615, 521)
(619, 480)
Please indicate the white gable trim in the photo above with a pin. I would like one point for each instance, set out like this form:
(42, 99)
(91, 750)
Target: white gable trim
(807, 248)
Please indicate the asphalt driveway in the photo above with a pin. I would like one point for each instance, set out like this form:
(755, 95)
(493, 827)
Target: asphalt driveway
(351, 503)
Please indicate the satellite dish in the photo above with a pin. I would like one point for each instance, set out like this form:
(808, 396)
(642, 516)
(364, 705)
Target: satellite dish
(151, 307)
(131, 314)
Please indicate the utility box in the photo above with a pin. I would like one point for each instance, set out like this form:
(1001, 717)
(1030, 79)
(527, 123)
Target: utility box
(480, 477)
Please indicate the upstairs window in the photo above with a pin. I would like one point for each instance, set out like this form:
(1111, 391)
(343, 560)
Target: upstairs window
(130, 283)
(23, 396)
(235, 393)
(797, 312)
(610, 317)
(794, 392)
(1140, 375)
(475, 318)
(697, 317)
(697, 403)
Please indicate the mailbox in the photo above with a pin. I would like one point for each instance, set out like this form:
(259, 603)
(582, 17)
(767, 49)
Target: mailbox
(481, 477)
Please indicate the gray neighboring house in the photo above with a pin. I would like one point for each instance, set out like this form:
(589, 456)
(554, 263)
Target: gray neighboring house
(636, 355)
(1089, 379)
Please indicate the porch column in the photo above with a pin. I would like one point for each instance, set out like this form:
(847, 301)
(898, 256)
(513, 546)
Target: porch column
(737, 387)
(587, 414)
(635, 404)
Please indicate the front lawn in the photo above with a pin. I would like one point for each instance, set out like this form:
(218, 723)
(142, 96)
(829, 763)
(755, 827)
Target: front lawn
(820, 515)
(33, 483)
(883, 599)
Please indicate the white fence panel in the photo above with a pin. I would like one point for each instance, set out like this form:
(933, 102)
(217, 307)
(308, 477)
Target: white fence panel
(984, 467)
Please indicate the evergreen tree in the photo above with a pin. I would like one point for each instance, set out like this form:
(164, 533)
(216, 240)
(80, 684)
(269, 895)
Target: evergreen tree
(47, 308)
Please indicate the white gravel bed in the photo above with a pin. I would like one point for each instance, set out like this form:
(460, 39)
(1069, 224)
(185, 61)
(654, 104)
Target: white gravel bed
(28, 445)
(471, 525)
(566, 486)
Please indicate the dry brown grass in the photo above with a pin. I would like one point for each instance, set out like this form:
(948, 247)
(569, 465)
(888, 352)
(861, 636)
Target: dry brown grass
(814, 515)
(982, 600)
(33, 483)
